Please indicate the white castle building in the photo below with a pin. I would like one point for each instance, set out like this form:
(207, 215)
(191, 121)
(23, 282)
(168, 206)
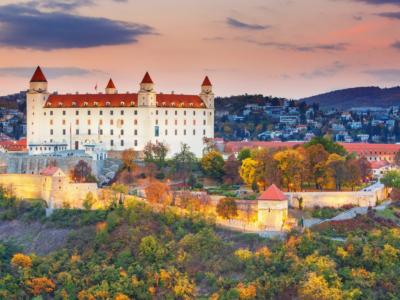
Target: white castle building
(117, 121)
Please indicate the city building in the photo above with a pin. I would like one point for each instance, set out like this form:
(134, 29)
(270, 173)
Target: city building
(117, 121)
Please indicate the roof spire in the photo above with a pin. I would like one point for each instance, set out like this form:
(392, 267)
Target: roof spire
(147, 78)
(206, 82)
(38, 76)
(110, 84)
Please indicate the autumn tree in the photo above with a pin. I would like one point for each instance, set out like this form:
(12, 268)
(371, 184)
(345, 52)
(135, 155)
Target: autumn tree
(353, 173)
(82, 172)
(329, 145)
(315, 159)
(243, 154)
(266, 170)
(155, 153)
(40, 285)
(184, 162)
(337, 169)
(291, 165)
(227, 208)
(128, 159)
(212, 164)
(365, 168)
(231, 170)
(158, 192)
(248, 171)
(20, 260)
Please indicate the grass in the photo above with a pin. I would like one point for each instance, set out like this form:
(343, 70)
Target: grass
(387, 213)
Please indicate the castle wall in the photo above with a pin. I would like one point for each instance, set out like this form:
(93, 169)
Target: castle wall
(23, 185)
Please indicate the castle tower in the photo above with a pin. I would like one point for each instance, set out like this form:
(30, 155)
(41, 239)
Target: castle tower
(147, 94)
(272, 208)
(110, 89)
(207, 94)
(38, 82)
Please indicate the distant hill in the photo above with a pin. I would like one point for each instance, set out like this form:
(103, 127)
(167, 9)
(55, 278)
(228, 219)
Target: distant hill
(357, 97)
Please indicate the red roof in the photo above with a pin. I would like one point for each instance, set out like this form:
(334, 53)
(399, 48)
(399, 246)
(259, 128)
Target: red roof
(14, 146)
(371, 149)
(147, 78)
(38, 76)
(49, 171)
(121, 100)
(206, 82)
(375, 165)
(273, 193)
(110, 84)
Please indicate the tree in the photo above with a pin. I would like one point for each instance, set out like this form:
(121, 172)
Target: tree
(248, 171)
(155, 153)
(88, 201)
(128, 159)
(266, 171)
(158, 192)
(227, 208)
(82, 172)
(40, 285)
(365, 168)
(151, 249)
(337, 169)
(291, 166)
(212, 164)
(315, 158)
(329, 145)
(231, 170)
(243, 154)
(20, 260)
(316, 287)
(353, 172)
(184, 162)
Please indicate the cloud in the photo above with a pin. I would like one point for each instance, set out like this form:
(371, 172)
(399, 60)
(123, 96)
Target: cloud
(327, 71)
(241, 25)
(380, 2)
(299, 47)
(28, 27)
(388, 75)
(390, 15)
(66, 5)
(396, 45)
(50, 72)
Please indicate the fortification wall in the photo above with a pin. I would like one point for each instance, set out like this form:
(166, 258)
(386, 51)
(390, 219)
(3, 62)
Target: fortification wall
(23, 185)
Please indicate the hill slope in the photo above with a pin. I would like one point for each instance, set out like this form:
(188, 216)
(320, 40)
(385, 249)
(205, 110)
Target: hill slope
(357, 97)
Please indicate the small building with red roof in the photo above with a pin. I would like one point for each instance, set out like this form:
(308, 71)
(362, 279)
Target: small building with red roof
(272, 208)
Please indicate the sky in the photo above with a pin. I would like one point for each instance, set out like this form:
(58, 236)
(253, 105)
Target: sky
(283, 48)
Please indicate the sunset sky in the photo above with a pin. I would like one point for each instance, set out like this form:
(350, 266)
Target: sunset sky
(287, 48)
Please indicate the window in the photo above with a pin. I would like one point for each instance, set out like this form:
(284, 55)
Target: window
(51, 113)
(204, 132)
(107, 104)
(166, 122)
(122, 132)
(204, 113)
(135, 112)
(194, 122)
(157, 122)
(176, 113)
(157, 112)
(63, 122)
(122, 142)
(122, 112)
(101, 131)
(194, 113)
(51, 122)
(77, 122)
(100, 122)
(204, 122)
(156, 131)
(88, 112)
(111, 112)
(184, 131)
(63, 112)
(101, 113)
(166, 131)
(77, 131)
(111, 122)
(184, 112)
(89, 132)
(89, 122)
(51, 131)
(184, 122)
(135, 142)
(77, 112)
(194, 131)
(112, 142)
(135, 132)
(112, 131)
(64, 132)
(166, 112)
(176, 122)
(122, 122)
(176, 131)
(135, 122)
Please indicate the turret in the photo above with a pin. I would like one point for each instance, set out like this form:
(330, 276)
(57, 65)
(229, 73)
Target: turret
(207, 94)
(38, 82)
(110, 89)
(147, 94)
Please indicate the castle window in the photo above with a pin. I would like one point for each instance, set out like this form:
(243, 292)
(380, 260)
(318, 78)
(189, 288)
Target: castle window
(51, 131)
(135, 132)
(111, 112)
(132, 103)
(135, 122)
(51, 113)
(51, 122)
(85, 104)
(122, 132)
(107, 103)
(63, 122)
(112, 142)
(100, 122)
(122, 122)
(135, 112)
(122, 103)
(64, 131)
(194, 131)
(88, 112)
(89, 132)
(191, 104)
(101, 113)
(166, 122)
(166, 131)
(182, 104)
(77, 132)
(184, 122)
(194, 113)
(156, 121)
(204, 113)
(95, 104)
(122, 112)
(194, 122)
(77, 112)
(176, 131)
(204, 132)
(44, 113)
(111, 131)
(73, 103)
(122, 142)
(64, 112)
(176, 122)
(166, 112)
(157, 112)
(77, 122)
(204, 122)
(89, 122)
(184, 131)
(111, 122)
(184, 112)
(135, 143)
(156, 131)
(60, 104)
(176, 113)
(101, 131)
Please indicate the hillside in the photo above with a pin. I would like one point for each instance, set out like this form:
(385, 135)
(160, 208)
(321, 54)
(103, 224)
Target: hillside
(357, 97)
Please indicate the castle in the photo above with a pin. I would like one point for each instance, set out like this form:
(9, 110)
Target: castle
(117, 121)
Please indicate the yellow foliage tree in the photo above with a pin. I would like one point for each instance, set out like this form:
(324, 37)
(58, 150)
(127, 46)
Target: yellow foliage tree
(291, 165)
(20, 260)
(39, 285)
(248, 171)
(315, 287)
(247, 292)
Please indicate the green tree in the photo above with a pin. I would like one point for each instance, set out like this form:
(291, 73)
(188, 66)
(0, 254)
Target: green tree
(243, 154)
(183, 163)
(329, 145)
(212, 164)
